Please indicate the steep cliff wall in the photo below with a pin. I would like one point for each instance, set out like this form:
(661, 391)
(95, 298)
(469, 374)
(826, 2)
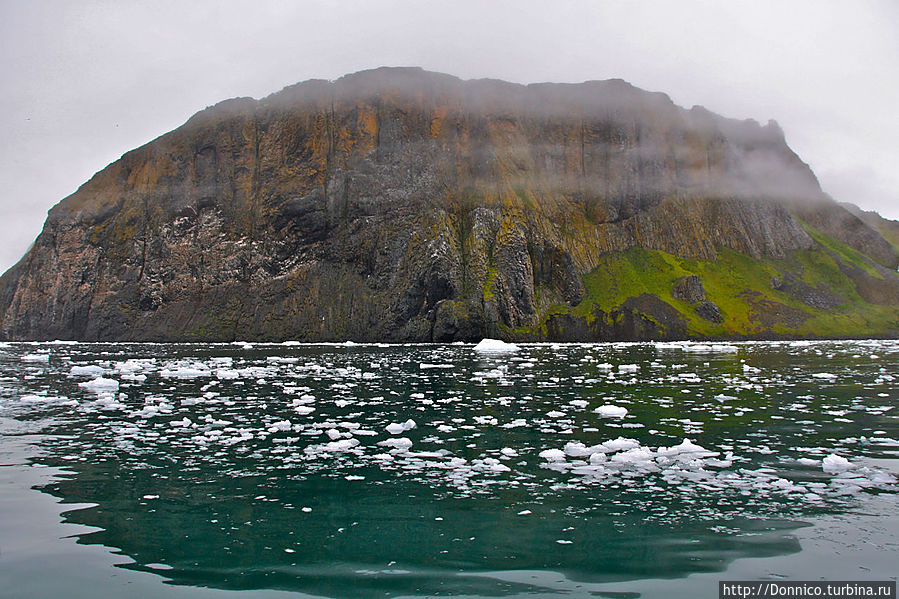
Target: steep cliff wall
(399, 204)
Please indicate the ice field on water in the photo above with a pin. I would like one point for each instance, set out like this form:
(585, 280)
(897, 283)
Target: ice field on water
(362, 470)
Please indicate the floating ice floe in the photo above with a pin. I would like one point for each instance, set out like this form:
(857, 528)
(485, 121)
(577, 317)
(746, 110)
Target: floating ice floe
(552, 455)
(396, 428)
(90, 370)
(834, 463)
(610, 411)
(495, 345)
(43, 357)
(184, 372)
(400, 444)
(824, 375)
(100, 385)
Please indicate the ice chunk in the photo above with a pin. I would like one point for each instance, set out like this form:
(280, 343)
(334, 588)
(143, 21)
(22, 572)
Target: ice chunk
(620, 444)
(834, 463)
(402, 443)
(90, 370)
(628, 367)
(824, 375)
(576, 449)
(342, 445)
(45, 357)
(610, 411)
(304, 410)
(495, 345)
(100, 385)
(395, 428)
(579, 403)
(686, 447)
(552, 455)
(635, 456)
(185, 372)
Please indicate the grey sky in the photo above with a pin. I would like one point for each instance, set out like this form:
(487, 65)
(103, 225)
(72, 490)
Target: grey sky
(84, 82)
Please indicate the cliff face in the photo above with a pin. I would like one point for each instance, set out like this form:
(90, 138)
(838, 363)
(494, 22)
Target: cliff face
(402, 205)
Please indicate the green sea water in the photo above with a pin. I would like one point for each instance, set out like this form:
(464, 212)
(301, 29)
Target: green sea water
(616, 470)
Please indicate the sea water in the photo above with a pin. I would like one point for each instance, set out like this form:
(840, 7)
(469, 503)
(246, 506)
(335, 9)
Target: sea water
(350, 470)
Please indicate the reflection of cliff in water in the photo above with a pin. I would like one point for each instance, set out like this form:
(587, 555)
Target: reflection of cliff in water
(208, 530)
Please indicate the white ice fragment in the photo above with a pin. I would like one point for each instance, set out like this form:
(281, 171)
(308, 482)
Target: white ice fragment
(686, 447)
(409, 425)
(635, 456)
(525, 513)
(576, 449)
(395, 428)
(44, 357)
(100, 385)
(552, 455)
(508, 451)
(620, 444)
(824, 375)
(402, 443)
(610, 411)
(495, 345)
(598, 458)
(555, 414)
(226, 374)
(342, 445)
(834, 463)
(628, 367)
(304, 410)
(90, 370)
(184, 372)
(283, 425)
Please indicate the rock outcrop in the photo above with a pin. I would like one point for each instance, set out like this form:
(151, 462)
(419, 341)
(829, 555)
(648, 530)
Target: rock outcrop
(404, 205)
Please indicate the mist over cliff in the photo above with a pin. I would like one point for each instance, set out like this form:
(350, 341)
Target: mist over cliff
(404, 205)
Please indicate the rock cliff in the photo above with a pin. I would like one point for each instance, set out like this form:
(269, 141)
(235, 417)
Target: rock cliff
(404, 205)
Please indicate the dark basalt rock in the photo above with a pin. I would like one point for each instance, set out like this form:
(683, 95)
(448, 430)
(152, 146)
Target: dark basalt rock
(689, 289)
(709, 311)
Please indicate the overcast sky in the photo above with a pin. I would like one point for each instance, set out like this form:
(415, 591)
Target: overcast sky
(86, 81)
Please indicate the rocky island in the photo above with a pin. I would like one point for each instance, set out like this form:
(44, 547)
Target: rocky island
(403, 205)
